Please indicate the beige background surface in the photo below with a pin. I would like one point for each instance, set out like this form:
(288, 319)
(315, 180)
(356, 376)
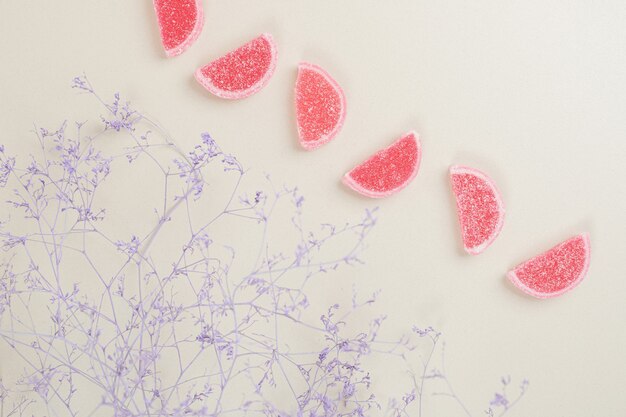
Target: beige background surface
(533, 92)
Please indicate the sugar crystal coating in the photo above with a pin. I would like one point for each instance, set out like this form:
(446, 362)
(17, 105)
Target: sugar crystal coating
(180, 23)
(388, 170)
(555, 271)
(320, 106)
(479, 207)
(242, 72)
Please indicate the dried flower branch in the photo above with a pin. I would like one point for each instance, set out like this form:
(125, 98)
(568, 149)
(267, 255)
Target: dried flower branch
(103, 326)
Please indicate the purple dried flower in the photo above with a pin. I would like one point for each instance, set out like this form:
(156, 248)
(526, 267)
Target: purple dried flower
(6, 168)
(202, 328)
(499, 400)
(82, 84)
(130, 248)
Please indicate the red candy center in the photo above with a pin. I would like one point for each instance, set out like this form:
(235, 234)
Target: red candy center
(556, 269)
(479, 209)
(242, 68)
(389, 168)
(177, 19)
(318, 106)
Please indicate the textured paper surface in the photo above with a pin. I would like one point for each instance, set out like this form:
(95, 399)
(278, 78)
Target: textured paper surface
(532, 92)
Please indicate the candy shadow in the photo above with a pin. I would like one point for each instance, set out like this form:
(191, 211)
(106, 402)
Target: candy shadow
(291, 112)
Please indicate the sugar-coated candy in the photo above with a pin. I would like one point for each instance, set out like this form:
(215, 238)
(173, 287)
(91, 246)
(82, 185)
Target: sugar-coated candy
(242, 72)
(320, 106)
(388, 170)
(479, 207)
(555, 271)
(180, 23)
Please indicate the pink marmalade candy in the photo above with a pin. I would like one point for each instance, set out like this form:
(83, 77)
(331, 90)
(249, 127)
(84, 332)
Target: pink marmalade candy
(180, 23)
(556, 271)
(320, 106)
(479, 208)
(388, 170)
(242, 72)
